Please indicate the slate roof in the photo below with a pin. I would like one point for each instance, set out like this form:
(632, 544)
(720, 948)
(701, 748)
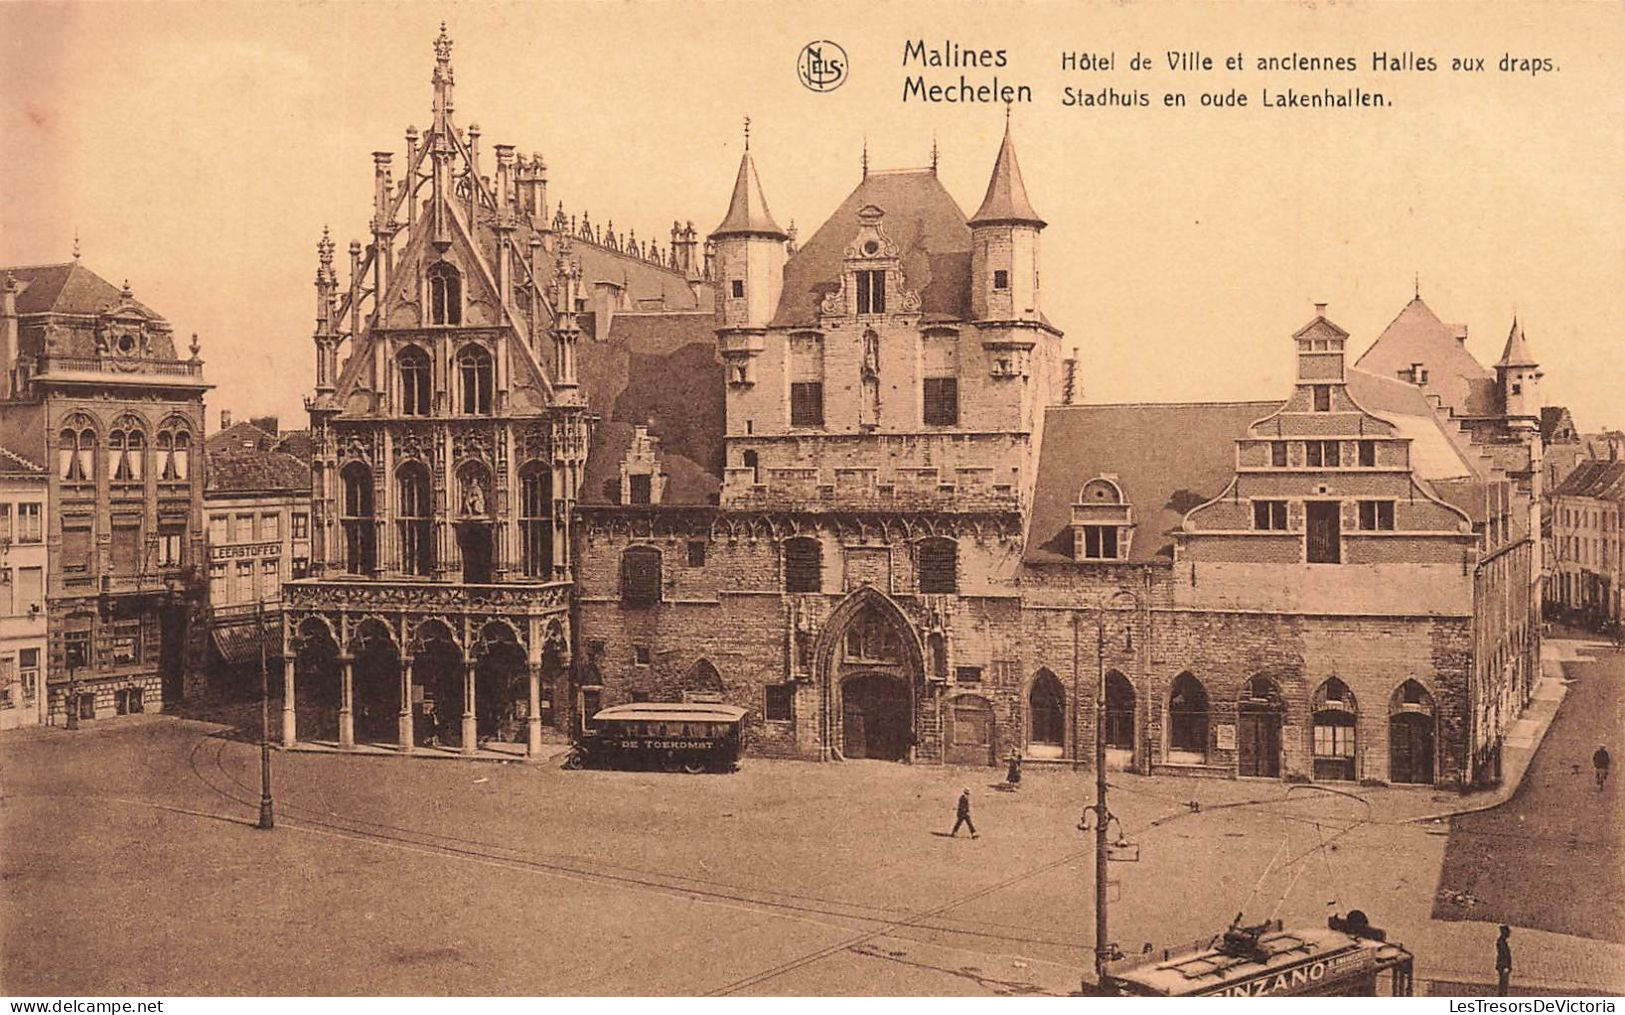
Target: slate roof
(69, 288)
(924, 221)
(1006, 198)
(747, 208)
(1598, 478)
(1556, 420)
(243, 436)
(1167, 458)
(296, 443)
(659, 369)
(242, 472)
(1516, 353)
(1434, 454)
(1417, 335)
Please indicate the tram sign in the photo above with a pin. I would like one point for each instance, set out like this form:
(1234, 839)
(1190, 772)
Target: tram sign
(1302, 978)
(1276, 963)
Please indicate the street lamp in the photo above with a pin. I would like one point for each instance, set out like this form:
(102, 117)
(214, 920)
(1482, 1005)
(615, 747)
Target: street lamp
(1103, 815)
(267, 816)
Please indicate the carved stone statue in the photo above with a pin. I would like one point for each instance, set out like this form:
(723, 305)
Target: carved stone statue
(473, 497)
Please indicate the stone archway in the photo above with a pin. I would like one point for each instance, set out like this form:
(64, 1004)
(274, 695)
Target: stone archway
(438, 673)
(870, 667)
(316, 681)
(376, 673)
(501, 684)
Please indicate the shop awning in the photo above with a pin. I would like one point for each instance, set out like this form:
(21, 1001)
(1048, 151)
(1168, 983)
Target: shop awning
(240, 642)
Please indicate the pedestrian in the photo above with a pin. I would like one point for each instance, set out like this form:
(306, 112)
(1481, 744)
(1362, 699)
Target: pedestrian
(1013, 777)
(1503, 960)
(1600, 761)
(964, 815)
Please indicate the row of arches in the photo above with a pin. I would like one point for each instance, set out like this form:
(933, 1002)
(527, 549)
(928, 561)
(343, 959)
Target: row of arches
(434, 694)
(1190, 736)
(126, 446)
(936, 560)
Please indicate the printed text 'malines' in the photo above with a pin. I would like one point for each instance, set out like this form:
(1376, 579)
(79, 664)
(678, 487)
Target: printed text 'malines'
(951, 54)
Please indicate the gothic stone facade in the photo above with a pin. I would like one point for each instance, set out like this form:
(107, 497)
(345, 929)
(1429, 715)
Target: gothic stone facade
(448, 450)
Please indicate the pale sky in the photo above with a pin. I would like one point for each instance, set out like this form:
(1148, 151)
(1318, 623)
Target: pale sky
(198, 149)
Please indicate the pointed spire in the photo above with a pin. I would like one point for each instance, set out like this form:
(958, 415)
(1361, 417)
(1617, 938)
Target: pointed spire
(747, 208)
(1516, 353)
(1006, 201)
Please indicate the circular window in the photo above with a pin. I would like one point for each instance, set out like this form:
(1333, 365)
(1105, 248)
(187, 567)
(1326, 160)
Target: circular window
(126, 343)
(871, 248)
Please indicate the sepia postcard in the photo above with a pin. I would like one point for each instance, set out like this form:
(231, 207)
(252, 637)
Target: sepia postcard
(701, 499)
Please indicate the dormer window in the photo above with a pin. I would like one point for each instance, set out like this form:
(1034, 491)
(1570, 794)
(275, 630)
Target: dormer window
(1100, 542)
(871, 292)
(1001, 279)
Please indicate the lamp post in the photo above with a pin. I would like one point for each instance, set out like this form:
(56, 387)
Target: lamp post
(1103, 815)
(267, 815)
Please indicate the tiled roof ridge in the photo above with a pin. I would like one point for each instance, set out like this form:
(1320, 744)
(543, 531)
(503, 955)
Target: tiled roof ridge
(10, 455)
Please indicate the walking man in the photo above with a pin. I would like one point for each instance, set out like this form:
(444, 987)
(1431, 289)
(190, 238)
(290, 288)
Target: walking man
(1503, 960)
(1600, 761)
(964, 815)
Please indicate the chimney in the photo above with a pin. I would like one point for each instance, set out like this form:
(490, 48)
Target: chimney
(1320, 310)
(225, 419)
(8, 337)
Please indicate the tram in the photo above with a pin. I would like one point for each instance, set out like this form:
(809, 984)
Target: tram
(668, 735)
(1346, 958)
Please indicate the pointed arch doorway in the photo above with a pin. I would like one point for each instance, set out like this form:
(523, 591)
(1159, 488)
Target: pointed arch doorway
(872, 667)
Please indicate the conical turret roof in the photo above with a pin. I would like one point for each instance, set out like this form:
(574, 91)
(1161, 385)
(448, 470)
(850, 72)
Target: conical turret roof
(1516, 353)
(1006, 201)
(747, 209)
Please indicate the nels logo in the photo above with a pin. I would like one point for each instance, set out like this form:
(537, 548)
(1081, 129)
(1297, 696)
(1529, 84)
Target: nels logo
(822, 65)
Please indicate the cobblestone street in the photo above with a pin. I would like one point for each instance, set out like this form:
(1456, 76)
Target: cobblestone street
(392, 875)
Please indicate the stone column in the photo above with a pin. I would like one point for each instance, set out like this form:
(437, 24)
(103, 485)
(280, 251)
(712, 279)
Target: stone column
(290, 721)
(533, 744)
(470, 729)
(346, 691)
(406, 703)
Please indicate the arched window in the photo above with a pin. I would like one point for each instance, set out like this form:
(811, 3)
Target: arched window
(1046, 707)
(640, 576)
(536, 518)
(77, 454)
(803, 565)
(1334, 731)
(360, 539)
(873, 638)
(1187, 719)
(416, 381)
(445, 294)
(938, 566)
(175, 449)
(413, 513)
(703, 677)
(474, 381)
(126, 447)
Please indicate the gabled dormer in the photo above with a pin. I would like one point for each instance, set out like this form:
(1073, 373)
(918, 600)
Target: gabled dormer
(1102, 522)
(872, 282)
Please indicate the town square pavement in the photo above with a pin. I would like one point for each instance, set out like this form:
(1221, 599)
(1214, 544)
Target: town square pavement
(131, 866)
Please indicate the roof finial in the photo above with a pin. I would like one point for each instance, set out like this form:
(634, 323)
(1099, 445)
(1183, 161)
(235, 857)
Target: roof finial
(747, 133)
(1007, 107)
(934, 153)
(1416, 291)
(866, 155)
(76, 246)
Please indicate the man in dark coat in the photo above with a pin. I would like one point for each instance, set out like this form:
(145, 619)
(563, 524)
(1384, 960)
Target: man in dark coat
(1503, 959)
(964, 815)
(1600, 761)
